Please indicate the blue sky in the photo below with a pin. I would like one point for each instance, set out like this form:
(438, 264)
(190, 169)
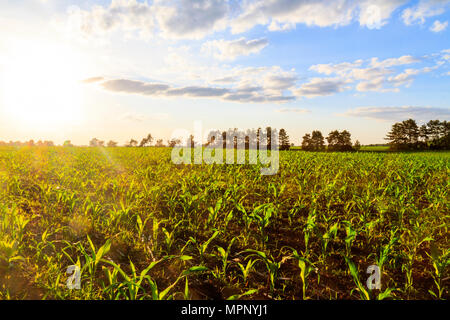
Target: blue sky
(121, 69)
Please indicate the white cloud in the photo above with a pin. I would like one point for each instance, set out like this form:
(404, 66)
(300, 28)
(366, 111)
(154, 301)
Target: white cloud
(399, 113)
(423, 10)
(230, 50)
(237, 94)
(286, 14)
(321, 87)
(375, 75)
(125, 15)
(274, 84)
(439, 26)
(192, 19)
(391, 62)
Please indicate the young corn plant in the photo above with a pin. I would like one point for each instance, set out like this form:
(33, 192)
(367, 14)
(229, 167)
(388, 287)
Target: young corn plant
(305, 269)
(329, 235)
(201, 247)
(272, 266)
(262, 215)
(350, 238)
(364, 293)
(309, 229)
(440, 263)
(247, 269)
(223, 255)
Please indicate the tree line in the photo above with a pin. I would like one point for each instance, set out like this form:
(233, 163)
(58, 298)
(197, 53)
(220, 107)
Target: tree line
(407, 135)
(233, 137)
(337, 141)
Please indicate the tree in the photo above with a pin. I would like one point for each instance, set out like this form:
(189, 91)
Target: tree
(438, 134)
(67, 143)
(404, 135)
(339, 141)
(146, 141)
(333, 140)
(131, 143)
(284, 140)
(173, 142)
(159, 143)
(96, 143)
(48, 143)
(269, 137)
(111, 144)
(357, 145)
(306, 142)
(317, 141)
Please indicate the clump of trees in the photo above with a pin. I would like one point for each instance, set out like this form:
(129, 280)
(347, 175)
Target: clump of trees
(251, 138)
(96, 143)
(337, 141)
(407, 135)
(313, 142)
(146, 141)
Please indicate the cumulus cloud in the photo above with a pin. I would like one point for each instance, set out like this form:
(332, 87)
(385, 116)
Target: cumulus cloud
(423, 10)
(192, 19)
(391, 62)
(227, 79)
(286, 14)
(127, 15)
(439, 26)
(230, 50)
(399, 113)
(274, 84)
(238, 94)
(133, 86)
(375, 74)
(321, 87)
(187, 19)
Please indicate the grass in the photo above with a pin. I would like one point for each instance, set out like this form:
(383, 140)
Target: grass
(140, 227)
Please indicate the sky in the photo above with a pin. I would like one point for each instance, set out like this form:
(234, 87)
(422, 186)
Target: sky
(120, 69)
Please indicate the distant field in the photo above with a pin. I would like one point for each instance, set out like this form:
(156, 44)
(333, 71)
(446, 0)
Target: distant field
(363, 148)
(375, 148)
(140, 227)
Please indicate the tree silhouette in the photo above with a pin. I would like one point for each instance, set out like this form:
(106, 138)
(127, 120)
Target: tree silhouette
(67, 143)
(404, 135)
(306, 142)
(284, 140)
(96, 143)
(317, 141)
(159, 143)
(173, 142)
(339, 141)
(131, 143)
(111, 144)
(146, 141)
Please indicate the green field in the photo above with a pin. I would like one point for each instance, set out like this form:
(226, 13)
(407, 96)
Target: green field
(141, 227)
(375, 148)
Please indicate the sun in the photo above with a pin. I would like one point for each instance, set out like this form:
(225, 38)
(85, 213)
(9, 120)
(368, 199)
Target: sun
(40, 85)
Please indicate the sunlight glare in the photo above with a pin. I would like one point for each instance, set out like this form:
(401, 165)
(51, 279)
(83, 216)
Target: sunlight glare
(41, 85)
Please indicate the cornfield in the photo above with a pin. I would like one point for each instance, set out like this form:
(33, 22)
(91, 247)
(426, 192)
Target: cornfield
(140, 227)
